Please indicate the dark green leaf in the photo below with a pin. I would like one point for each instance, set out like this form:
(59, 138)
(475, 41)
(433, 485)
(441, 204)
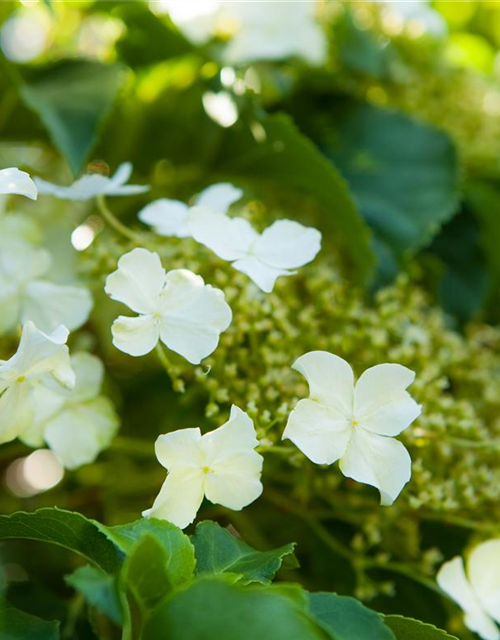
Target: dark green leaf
(409, 629)
(17, 625)
(65, 529)
(361, 50)
(99, 590)
(179, 552)
(278, 153)
(213, 609)
(345, 618)
(484, 200)
(72, 98)
(217, 551)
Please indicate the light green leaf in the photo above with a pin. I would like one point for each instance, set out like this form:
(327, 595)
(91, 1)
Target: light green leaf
(72, 98)
(99, 590)
(66, 529)
(277, 153)
(217, 551)
(345, 618)
(409, 629)
(179, 552)
(17, 625)
(213, 609)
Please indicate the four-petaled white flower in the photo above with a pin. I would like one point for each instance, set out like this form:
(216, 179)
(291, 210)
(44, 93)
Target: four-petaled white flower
(354, 423)
(277, 251)
(76, 423)
(171, 217)
(177, 308)
(25, 295)
(40, 361)
(221, 465)
(477, 592)
(93, 184)
(14, 181)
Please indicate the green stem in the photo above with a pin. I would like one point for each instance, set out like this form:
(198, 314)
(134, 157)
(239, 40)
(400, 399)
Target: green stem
(113, 221)
(163, 358)
(284, 451)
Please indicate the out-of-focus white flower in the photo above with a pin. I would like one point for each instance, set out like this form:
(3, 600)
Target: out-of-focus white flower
(171, 217)
(220, 107)
(40, 361)
(354, 423)
(76, 424)
(94, 184)
(14, 181)
(197, 19)
(281, 248)
(420, 13)
(26, 35)
(478, 592)
(177, 308)
(221, 465)
(24, 295)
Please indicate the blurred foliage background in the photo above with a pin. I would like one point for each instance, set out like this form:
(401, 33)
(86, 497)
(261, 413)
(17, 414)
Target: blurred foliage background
(391, 148)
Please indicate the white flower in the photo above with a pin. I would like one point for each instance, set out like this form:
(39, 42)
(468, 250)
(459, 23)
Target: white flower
(76, 424)
(40, 361)
(171, 217)
(221, 465)
(18, 182)
(477, 592)
(25, 295)
(264, 257)
(92, 185)
(177, 308)
(354, 423)
(419, 13)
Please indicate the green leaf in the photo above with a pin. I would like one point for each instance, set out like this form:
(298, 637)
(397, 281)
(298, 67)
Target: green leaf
(179, 552)
(277, 153)
(361, 50)
(65, 529)
(99, 590)
(409, 629)
(484, 199)
(217, 551)
(213, 609)
(17, 625)
(144, 582)
(404, 174)
(72, 98)
(345, 618)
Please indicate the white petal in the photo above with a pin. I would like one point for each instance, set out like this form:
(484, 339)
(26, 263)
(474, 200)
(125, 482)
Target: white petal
(380, 400)
(48, 403)
(179, 448)
(236, 435)
(21, 262)
(89, 372)
(10, 304)
(483, 568)
(235, 481)
(122, 174)
(193, 315)
(80, 432)
(330, 380)
(126, 189)
(18, 182)
(180, 497)
(229, 238)
(452, 580)
(320, 434)
(135, 336)
(138, 281)
(219, 197)
(49, 305)
(262, 274)
(481, 623)
(85, 188)
(167, 217)
(16, 411)
(288, 245)
(379, 461)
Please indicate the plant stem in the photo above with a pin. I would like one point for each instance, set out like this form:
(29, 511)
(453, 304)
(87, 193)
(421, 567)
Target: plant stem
(163, 358)
(113, 221)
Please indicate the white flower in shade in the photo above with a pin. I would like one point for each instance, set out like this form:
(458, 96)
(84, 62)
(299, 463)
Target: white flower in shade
(220, 465)
(177, 308)
(40, 361)
(264, 257)
(478, 592)
(283, 30)
(14, 181)
(354, 423)
(25, 295)
(76, 423)
(171, 217)
(94, 184)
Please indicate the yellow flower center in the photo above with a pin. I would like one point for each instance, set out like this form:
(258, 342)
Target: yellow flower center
(21, 379)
